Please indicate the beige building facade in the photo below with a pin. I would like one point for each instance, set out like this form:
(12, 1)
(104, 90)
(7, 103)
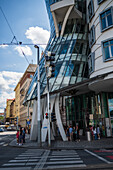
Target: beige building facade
(26, 111)
(17, 102)
(8, 109)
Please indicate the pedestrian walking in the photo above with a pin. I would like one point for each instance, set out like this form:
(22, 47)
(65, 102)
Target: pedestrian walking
(77, 129)
(71, 132)
(17, 136)
(20, 137)
(95, 133)
(98, 132)
(68, 134)
(23, 134)
(74, 133)
(92, 134)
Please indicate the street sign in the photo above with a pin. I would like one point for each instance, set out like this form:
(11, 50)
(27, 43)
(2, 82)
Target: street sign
(45, 127)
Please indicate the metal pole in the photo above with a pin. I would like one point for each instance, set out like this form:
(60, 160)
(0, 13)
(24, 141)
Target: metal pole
(38, 100)
(17, 122)
(28, 117)
(49, 132)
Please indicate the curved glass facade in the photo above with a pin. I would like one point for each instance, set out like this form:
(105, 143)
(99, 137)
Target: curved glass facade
(71, 51)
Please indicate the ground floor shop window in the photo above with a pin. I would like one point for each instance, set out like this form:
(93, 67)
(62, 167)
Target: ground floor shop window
(110, 108)
(86, 111)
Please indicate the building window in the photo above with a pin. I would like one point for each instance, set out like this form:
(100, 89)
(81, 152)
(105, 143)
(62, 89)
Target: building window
(77, 48)
(106, 19)
(100, 1)
(108, 49)
(92, 36)
(90, 10)
(91, 59)
(64, 47)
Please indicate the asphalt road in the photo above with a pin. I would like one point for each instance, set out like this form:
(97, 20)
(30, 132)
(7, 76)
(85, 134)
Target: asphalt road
(15, 158)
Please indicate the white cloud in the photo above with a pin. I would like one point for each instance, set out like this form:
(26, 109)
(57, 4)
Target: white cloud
(26, 50)
(8, 81)
(38, 35)
(3, 46)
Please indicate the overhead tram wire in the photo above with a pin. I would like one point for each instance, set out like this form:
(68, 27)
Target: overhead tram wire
(14, 37)
(7, 22)
(20, 43)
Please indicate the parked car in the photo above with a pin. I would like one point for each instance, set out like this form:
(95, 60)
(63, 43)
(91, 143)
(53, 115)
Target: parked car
(1, 130)
(9, 128)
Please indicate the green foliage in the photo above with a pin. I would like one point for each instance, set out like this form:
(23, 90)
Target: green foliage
(1, 118)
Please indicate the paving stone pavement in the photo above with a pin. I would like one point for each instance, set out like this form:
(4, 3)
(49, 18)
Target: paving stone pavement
(59, 144)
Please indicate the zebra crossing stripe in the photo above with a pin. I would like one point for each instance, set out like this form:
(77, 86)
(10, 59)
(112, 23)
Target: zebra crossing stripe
(26, 160)
(65, 162)
(66, 166)
(5, 144)
(2, 143)
(63, 156)
(33, 157)
(13, 168)
(14, 164)
(57, 159)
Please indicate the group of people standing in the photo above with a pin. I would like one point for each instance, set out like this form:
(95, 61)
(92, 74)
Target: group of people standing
(72, 133)
(20, 136)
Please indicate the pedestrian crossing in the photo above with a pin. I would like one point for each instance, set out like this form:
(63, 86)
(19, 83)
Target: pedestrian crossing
(36, 159)
(64, 159)
(26, 160)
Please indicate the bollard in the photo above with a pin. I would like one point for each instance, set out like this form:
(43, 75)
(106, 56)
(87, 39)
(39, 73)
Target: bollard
(89, 136)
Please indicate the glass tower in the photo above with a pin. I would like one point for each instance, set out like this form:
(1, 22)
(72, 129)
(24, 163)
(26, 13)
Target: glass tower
(69, 41)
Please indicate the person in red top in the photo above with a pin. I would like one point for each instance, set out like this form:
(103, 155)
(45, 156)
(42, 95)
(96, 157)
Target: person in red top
(17, 136)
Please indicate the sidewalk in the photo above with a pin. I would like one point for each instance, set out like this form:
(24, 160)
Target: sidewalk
(103, 143)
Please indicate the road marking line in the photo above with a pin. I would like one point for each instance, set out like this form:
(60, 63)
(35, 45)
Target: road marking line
(29, 155)
(32, 163)
(42, 161)
(14, 168)
(63, 156)
(66, 166)
(33, 157)
(5, 144)
(65, 162)
(99, 157)
(18, 161)
(14, 164)
(2, 143)
(54, 159)
(26, 160)
(3, 137)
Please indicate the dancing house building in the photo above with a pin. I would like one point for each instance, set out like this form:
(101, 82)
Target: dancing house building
(81, 90)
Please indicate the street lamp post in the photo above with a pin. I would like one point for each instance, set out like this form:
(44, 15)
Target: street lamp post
(48, 106)
(28, 118)
(38, 98)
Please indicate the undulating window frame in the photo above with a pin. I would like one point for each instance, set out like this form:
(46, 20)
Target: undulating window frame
(91, 7)
(107, 48)
(100, 16)
(91, 62)
(92, 38)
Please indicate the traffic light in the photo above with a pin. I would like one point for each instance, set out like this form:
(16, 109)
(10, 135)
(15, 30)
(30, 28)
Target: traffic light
(53, 117)
(46, 115)
(50, 66)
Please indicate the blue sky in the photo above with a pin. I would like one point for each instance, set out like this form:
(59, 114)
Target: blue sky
(29, 22)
